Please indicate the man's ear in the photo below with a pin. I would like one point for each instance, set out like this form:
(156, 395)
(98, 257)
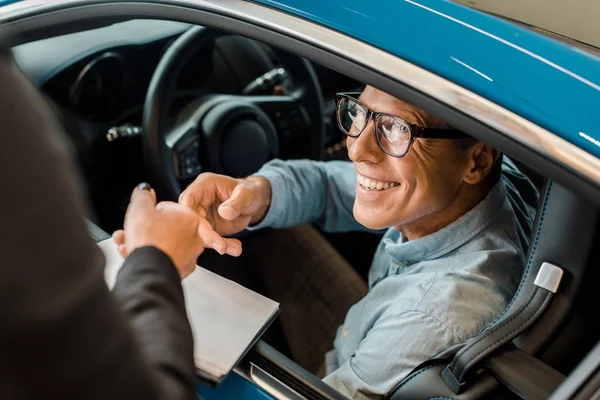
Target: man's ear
(481, 160)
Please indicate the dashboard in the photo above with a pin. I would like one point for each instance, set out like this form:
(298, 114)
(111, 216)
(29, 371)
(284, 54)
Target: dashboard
(98, 79)
(102, 74)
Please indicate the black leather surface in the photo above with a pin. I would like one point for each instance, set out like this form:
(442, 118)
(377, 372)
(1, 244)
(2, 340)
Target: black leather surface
(566, 241)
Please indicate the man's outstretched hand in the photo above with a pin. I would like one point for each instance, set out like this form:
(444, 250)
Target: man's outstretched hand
(226, 206)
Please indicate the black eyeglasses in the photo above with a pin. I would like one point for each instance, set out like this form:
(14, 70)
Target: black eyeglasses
(393, 135)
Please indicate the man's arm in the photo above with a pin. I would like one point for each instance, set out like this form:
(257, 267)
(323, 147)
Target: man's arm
(391, 350)
(306, 191)
(64, 334)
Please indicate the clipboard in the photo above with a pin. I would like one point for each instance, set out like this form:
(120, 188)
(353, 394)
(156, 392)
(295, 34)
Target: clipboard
(226, 318)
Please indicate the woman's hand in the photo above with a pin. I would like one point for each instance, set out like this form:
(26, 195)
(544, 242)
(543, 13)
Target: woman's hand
(168, 226)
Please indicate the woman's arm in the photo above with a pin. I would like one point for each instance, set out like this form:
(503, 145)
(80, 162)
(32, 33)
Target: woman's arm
(63, 333)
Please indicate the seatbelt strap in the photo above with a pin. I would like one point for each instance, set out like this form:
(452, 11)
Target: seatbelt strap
(546, 284)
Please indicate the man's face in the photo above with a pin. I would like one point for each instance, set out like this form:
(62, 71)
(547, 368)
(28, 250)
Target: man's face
(426, 180)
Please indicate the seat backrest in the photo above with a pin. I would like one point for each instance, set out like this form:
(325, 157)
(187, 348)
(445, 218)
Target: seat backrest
(567, 240)
(562, 240)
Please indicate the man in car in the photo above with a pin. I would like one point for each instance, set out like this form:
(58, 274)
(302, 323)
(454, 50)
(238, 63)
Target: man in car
(447, 266)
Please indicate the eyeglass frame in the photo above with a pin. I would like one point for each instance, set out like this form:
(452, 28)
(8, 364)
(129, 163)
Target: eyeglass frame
(415, 130)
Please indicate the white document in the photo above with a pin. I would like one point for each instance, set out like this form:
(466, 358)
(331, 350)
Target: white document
(226, 318)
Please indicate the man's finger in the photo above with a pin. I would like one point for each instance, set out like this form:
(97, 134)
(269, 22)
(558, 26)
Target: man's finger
(241, 201)
(119, 237)
(193, 194)
(187, 199)
(234, 247)
(210, 237)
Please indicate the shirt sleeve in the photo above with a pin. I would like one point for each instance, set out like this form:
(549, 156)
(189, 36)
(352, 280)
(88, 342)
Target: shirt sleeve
(64, 334)
(389, 352)
(305, 191)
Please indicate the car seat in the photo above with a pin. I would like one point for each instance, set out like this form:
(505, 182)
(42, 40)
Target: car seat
(544, 331)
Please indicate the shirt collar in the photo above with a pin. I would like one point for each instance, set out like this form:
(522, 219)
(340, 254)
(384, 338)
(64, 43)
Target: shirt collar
(451, 236)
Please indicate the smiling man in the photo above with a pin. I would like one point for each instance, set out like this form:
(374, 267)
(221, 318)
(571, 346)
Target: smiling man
(447, 265)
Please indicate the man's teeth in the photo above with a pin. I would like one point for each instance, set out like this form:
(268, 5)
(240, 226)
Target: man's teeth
(370, 184)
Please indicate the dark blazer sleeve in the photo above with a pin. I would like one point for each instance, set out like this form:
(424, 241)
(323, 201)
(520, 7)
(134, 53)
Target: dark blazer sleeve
(64, 335)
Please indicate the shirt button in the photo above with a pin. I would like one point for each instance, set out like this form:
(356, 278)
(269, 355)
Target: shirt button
(405, 262)
(345, 333)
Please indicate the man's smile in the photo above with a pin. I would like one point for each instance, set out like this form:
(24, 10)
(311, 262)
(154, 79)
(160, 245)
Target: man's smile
(372, 184)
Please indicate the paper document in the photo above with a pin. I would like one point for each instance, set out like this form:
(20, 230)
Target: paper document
(226, 318)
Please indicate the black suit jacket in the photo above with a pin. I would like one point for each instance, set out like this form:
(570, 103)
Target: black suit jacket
(62, 333)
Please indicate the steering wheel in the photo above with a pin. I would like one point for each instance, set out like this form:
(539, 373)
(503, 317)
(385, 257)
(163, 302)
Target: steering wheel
(227, 134)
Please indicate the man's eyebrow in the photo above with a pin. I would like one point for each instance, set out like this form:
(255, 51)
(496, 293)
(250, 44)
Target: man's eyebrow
(416, 118)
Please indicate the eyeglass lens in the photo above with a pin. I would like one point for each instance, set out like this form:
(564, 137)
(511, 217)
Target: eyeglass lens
(392, 133)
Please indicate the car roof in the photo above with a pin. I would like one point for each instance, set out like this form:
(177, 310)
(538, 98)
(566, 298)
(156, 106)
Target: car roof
(552, 84)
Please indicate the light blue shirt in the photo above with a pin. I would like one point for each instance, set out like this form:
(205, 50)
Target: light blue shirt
(424, 295)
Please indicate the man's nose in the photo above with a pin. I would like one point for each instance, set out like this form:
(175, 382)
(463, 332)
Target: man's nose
(364, 147)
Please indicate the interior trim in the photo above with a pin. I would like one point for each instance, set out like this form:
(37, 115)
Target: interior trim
(266, 382)
(536, 139)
